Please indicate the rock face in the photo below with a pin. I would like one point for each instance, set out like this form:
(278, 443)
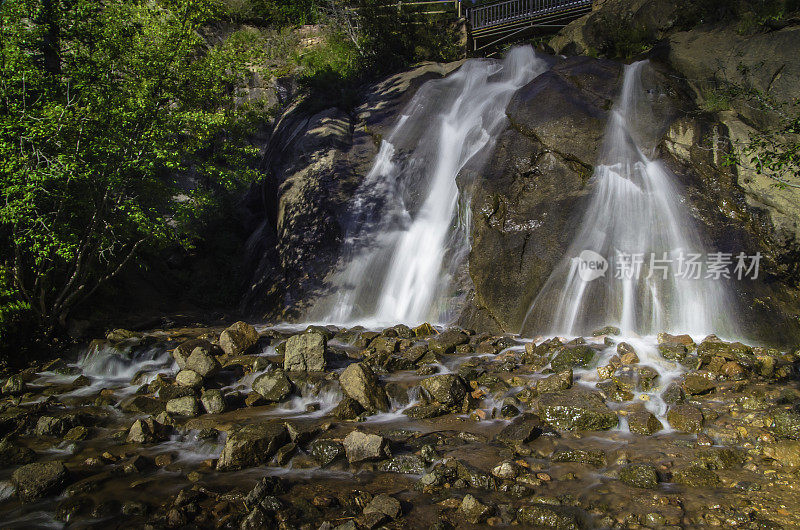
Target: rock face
(317, 156)
(359, 382)
(305, 353)
(36, 480)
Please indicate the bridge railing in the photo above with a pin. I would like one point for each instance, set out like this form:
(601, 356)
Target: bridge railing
(486, 16)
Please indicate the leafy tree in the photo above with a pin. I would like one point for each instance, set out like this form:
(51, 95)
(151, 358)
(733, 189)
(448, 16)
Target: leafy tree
(104, 106)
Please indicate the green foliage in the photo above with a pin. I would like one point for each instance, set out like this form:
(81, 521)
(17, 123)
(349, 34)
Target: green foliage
(750, 15)
(105, 111)
(272, 12)
(776, 152)
(622, 40)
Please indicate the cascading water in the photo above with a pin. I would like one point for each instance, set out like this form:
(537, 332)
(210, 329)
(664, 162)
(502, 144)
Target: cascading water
(407, 238)
(636, 220)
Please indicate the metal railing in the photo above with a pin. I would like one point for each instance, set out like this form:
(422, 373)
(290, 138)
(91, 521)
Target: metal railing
(487, 16)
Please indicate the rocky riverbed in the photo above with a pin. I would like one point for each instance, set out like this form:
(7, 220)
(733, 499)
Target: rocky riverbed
(402, 428)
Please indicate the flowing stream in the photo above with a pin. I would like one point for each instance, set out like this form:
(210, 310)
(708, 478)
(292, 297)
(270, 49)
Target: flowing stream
(635, 220)
(410, 225)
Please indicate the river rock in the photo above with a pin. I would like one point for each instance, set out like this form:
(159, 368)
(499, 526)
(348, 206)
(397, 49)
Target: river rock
(347, 409)
(325, 452)
(697, 477)
(672, 351)
(39, 479)
(384, 504)
(184, 350)
(144, 431)
(189, 378)
(213, 401)
(273, 386)
(576, 410)
(696, 384)
(573, 356)
(547, 516)
(184, 406)
(361, 446)
(13, 386)
(555, 382)
(14, 454)
(639, 476)
(522, 429)
(472, 510)
(359, 382)
(685, 418)
(786, 424)
(252, 445)
(446, 341)
(410, 464)
(203, 362)
(447, 389)
(644, 422)
(305, 352)
(238, 338)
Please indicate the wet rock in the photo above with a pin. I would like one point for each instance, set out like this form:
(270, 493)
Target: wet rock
(39, 479)
(69, 509)
(423, 411)
(213, 401)
(361, 446)
(698, 384)
(135, 508)
(347, 409)
(522, 429)
(731, 351)
(203, 362)
(182, 352)
(608, 330)
(673, 351)
(571, 357)
(721, 457)
(189, 378)
(424, 330)
(447, 389)
(576, 410)
(144, 431)
(627, 353)
(326, 452)
(267, 486)
(644, 422)
(786, 453)
(168, 392)
(273, 386)
(685, 418)
(384, 504)
(252, 445)
(685, 340)
(13, 386)
(446, 341)
(697, 477)
(55, 426)
(14, 454)
(305, 352)
(547, 516)
(238, 338)
(359, 382)
(405, 464)
(672, 394)
(639, 476)
(593, 458)
(184, 406)
(472, 510)
(555, 382)
(786, 424)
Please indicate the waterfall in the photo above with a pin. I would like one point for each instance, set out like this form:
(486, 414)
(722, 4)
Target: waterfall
(409, 231)
(624, 265)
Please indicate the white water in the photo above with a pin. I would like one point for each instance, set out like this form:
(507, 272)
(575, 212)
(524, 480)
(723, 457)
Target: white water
(410, 227)
(635, 208)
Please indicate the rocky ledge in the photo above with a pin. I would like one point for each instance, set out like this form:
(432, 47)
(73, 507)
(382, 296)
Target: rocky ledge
(402, 428)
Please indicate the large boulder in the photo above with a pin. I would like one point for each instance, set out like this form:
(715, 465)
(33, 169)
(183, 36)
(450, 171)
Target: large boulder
(305, 352)
(273, 386)
(202, 362)
(182, 352)
(39, 479)
(238, 338)
(252, 445)
(447, 389)
(576, 410)
(359, 382)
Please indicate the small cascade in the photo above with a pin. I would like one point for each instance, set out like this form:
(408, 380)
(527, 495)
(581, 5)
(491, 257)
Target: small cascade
(410, 223)
(628, 264)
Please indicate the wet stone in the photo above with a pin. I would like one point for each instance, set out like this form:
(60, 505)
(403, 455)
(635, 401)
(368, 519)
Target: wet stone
(385, 505)
(576, 410)
(39, 479)
(252, 445)
(698, 384)
(361, 446)
(594, 458)
(786, 424)
(697, 477)
(673, 351)
(213, 401)
(447, 341)
(238, 338)
(547, 516)
(347, 409)
(273, 386)
(472, 510)
(555, 382)
(571, 357)
(522, 429)
(360, 383)
(685, 418)
(405, 464)
(305, 352)
(639, 476)
(644, 422)
(447, 389)
(326, 451)
(184, 406)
